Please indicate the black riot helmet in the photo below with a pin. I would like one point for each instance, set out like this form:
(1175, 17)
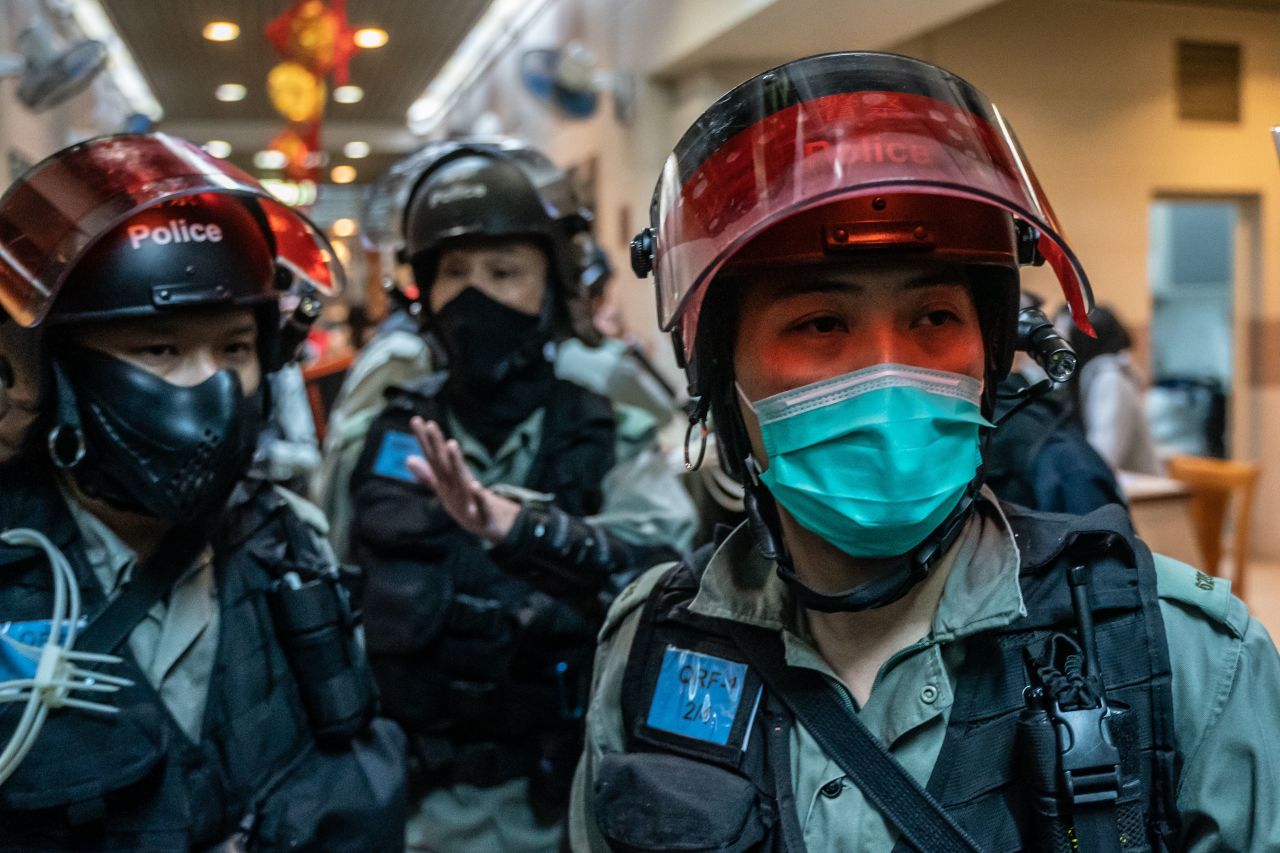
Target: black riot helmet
(141, 226)
(464, 189)
(204, 250)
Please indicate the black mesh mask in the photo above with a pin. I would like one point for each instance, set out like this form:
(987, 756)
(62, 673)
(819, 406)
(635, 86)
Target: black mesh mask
(145, 445)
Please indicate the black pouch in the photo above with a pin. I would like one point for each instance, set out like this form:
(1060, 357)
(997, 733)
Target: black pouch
(315, 626)
(647, 801)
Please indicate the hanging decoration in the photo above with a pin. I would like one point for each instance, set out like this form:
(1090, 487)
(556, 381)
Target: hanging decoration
(313, 40)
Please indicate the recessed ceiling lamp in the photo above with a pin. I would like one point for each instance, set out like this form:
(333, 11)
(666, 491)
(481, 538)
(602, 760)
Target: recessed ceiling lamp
(356, 150)
(230, 92)
(221, 31)
(344, 227)
(370, 37)
(342, 174)
(270, 159)
(348, 94)
(219, 148)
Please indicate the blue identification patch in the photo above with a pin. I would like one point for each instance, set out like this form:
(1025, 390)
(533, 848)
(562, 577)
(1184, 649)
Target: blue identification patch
(13, 663)
(698, 696)
(393, 456)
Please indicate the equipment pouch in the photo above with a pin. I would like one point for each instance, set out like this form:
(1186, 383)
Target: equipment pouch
(314, 622)
(648, 801)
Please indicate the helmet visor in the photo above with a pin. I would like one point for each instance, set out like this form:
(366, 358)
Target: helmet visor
(52, 215)
(829, 128)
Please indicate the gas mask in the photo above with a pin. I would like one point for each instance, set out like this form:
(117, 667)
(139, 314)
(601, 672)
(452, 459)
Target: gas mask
(145, 445)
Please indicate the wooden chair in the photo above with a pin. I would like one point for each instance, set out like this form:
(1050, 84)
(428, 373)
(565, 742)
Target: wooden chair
(1213, 482)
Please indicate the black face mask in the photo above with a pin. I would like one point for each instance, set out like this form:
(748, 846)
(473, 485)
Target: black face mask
(485, 340)
(499, 374)
(147, 445)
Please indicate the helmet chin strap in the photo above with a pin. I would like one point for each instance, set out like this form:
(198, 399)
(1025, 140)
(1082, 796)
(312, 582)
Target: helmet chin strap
(893, 583)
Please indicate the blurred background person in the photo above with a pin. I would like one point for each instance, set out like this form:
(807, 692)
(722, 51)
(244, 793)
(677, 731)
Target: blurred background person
(1109, 394)
(496, 508)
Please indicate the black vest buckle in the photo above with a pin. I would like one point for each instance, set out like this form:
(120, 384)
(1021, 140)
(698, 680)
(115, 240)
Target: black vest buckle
(1090, 760)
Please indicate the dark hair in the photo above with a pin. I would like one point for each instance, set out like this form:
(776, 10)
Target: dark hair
(1112, 336)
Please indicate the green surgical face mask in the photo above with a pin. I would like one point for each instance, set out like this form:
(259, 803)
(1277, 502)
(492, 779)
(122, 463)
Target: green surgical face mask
(873, 461)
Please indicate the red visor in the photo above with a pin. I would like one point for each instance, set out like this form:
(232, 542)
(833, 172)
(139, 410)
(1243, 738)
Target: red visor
(52, 215)
(830, 128)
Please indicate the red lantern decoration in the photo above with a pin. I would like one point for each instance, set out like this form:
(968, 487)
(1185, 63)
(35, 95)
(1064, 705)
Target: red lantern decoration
(314, 39)
(317, 36)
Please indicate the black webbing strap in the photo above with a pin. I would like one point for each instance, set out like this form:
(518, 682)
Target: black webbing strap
(149, 582)
(921, 820)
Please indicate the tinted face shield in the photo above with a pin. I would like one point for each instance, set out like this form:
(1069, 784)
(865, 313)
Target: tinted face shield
(54, 214)
(827, 129)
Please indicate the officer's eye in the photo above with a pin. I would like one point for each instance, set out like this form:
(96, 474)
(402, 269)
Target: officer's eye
(824, 324)
(157, 350)
(239, 348)
(938, 317)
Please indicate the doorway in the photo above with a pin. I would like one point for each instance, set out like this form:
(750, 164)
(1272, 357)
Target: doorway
(1198, 252)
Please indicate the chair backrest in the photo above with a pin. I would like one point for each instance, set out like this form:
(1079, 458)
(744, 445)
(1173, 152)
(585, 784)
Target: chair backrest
(1213, 482)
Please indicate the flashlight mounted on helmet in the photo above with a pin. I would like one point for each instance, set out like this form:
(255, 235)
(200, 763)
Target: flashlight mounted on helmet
(1038, 338)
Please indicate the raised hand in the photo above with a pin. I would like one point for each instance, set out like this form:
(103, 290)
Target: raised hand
(442, 469)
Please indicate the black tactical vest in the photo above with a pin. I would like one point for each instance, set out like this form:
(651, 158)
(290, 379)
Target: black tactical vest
(134, 780)
(736, 794)
(488, 671)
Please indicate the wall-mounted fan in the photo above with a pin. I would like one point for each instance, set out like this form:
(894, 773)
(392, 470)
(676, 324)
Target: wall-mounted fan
(51, 72)
(567, 78)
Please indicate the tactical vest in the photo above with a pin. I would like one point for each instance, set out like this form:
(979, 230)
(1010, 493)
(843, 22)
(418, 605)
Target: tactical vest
(134, 780)
(487, 670)
(733, 792)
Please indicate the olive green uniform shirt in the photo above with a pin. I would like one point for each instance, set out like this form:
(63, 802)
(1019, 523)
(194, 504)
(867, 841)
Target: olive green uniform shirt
(1226, 691)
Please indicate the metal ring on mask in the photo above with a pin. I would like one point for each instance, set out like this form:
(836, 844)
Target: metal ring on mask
(55, 442)
(702, 446)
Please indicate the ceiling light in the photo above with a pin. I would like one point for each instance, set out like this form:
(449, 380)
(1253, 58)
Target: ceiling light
(344, 227)
(370, 37)
(221, 31)
(348, 94)
(356, 150)
(230, 92)
(342, 174)
(219, 148)
(270, 159)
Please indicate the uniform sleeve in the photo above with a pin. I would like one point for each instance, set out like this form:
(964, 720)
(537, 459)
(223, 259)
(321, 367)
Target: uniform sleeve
(1226, 692)
(644, 501)
(604, 731)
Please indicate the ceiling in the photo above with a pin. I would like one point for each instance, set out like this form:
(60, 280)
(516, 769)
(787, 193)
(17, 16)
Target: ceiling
(183, 69)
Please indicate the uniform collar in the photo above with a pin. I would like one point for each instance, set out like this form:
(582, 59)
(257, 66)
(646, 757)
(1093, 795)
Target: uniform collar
(982, 590)
(112, 560)
(524, 435)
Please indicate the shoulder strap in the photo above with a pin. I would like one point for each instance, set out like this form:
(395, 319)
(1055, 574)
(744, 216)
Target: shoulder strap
(921, 820)
(149, 583)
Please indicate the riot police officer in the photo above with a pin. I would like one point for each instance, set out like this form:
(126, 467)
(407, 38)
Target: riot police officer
(198, 681)
(884, 653)
(497, 508)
